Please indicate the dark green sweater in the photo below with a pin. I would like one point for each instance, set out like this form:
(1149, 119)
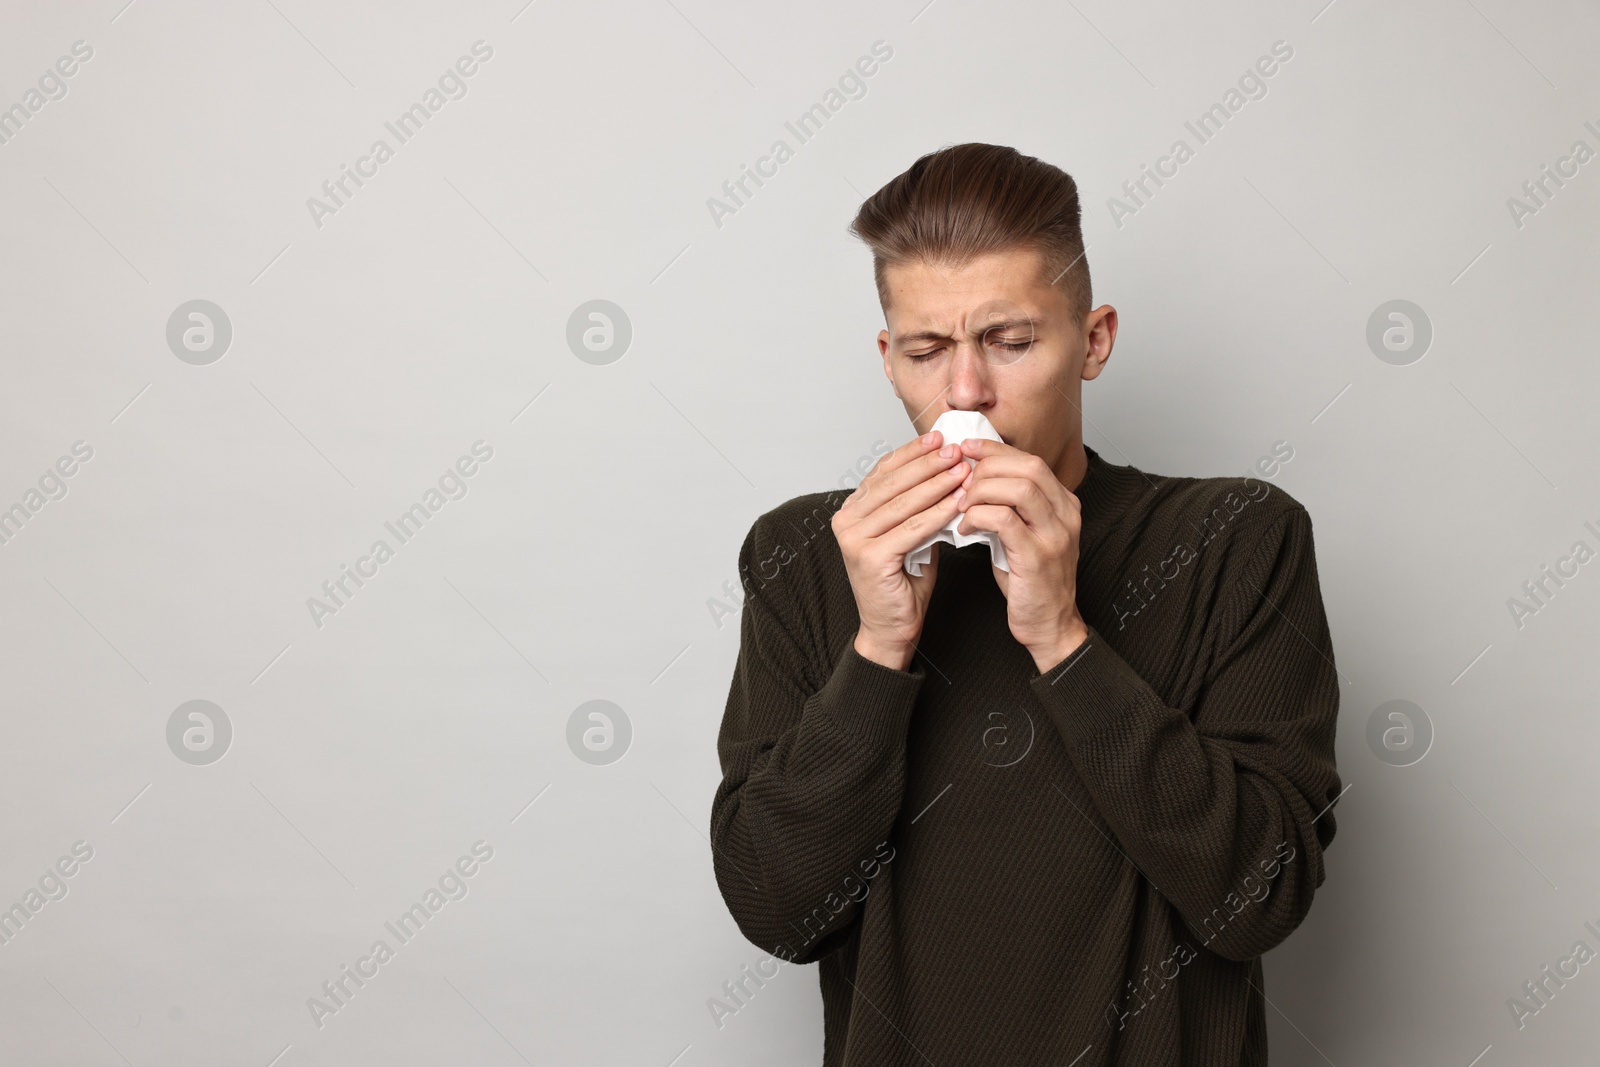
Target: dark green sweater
(998, 867)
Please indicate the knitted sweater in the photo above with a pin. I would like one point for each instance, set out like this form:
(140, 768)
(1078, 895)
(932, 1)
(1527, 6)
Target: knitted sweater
(996, 866)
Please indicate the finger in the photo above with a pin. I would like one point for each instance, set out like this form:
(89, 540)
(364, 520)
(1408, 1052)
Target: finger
(912, 501)
(1025, 496)
(1005, 461)
(1001, 456)
(876, 489)
(864, 498)
(907, 535)
(931, 441)
(982, 448)
(1015, 535)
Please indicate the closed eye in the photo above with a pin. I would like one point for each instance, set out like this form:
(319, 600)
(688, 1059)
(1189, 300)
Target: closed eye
(1008, 346)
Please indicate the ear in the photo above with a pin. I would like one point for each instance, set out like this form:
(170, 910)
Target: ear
(1100, 333)
(883, 351)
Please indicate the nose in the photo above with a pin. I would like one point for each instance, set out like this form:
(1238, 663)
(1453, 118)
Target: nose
(969, 377)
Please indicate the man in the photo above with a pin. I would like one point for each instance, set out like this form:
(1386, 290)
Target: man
(1094, 883)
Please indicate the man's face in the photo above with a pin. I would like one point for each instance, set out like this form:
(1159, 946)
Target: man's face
(992, 335)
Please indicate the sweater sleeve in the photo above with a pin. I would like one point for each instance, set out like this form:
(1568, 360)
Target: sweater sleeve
(1228, 814)
(812, 776)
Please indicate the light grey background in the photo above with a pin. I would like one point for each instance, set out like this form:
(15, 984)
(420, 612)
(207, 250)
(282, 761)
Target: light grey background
(431, 312)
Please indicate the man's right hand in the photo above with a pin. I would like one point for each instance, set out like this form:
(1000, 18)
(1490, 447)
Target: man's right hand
(907, 496)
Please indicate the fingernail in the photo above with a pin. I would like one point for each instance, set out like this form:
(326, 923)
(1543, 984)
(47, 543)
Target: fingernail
(947, 451)
(961, 498)
(927, 438)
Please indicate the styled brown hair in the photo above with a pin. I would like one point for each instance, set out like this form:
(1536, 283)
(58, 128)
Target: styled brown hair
(968, 199)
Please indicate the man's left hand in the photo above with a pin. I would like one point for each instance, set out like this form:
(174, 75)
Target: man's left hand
(1016, 495)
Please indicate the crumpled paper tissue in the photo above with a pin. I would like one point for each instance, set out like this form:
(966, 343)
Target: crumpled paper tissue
(958, 426)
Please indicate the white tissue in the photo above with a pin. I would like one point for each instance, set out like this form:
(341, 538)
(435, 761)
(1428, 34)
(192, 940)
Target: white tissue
(958, 426)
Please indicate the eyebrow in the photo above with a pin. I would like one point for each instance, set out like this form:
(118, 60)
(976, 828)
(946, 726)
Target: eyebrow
(920, 336)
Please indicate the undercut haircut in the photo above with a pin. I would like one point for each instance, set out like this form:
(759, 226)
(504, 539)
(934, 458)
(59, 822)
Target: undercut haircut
(969, 199)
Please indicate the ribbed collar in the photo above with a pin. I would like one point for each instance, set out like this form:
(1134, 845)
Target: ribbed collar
(1106, 492)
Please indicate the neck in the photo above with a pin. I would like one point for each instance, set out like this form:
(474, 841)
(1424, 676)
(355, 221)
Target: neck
(1073, 464)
